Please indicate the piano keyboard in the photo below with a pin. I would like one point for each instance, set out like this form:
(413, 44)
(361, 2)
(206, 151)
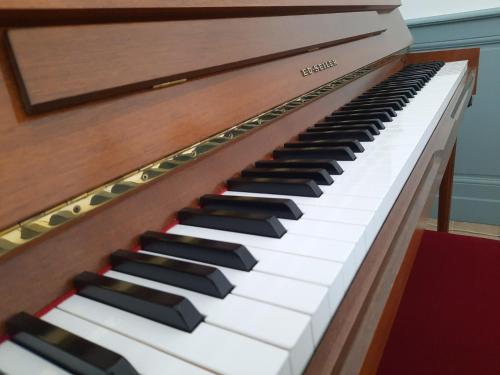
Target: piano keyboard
(248, 282)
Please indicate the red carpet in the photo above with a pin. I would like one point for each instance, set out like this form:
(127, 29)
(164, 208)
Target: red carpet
(449, 318)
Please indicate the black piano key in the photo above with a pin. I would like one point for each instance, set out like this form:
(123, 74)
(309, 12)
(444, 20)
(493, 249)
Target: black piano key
(337, 153)
(414, 75)
(330, 165)
(400, 85)
(352, 143)
(421, 66)
(224, 254)
(320, 176)
(282, 208)
(418, 74)
(388, 96)
(410, 90)
(422, 69)
(419, 81)
(405, 80)
(196, 277)
(374, 106)
(380, 101)
(410, 76)
(360, 117)
(283, 186)
(429, 71)
(415, 83)
(64, 349)
(327, 124)
(250, 223)
(436, 66)
(162, 307)
(380, 93)
(387, 110)
(362, 135)
(372, 129)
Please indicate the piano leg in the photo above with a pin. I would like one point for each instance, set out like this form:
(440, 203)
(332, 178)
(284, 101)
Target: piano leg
(445, 192)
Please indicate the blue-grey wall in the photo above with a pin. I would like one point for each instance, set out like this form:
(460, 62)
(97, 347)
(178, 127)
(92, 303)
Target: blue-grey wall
(476, 195)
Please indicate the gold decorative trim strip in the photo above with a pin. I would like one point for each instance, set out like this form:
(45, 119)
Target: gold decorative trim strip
(66, 212)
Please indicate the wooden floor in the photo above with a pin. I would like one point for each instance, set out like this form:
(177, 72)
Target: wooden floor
(491, 232)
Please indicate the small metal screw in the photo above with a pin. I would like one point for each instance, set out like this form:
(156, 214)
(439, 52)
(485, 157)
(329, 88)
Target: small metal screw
(77, 209)
(144, 177)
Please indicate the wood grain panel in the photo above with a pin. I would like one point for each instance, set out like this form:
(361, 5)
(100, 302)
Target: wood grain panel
(61, 12)
(51, 262)
(51, 157)
(63, 65)
(186, 4)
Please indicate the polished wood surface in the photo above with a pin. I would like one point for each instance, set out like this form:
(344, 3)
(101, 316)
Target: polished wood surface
(346, 343)
(187, 4)
(125, 57)
(445, 194)
(54, 156)
(52, 261)
(63, 12)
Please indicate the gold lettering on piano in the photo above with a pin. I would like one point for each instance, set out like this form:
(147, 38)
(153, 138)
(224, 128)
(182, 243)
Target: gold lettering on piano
(308, 70)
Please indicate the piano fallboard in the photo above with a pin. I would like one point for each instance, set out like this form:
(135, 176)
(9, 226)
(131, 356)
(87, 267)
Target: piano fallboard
(264, 226)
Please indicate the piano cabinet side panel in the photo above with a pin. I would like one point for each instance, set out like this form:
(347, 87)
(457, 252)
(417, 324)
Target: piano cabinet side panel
(43, 271)
(357, 334)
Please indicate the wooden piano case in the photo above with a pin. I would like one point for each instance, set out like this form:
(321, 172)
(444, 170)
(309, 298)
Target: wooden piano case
(93, 92)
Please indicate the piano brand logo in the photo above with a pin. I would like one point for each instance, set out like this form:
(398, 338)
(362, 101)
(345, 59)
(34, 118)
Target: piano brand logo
(307, 71)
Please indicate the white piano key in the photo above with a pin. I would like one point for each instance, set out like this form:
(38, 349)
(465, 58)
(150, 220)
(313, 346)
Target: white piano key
(312, 270)
(145, 359)
(340, 215)
(345, 201)
(296, 295)
(247, 317)
(323, 272)
(317, 212)
(340, 251)
(326, 200)
(15, 360)
(323, 229)
(209, 347)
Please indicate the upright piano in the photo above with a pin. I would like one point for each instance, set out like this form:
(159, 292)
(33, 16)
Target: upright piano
(228, 187)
